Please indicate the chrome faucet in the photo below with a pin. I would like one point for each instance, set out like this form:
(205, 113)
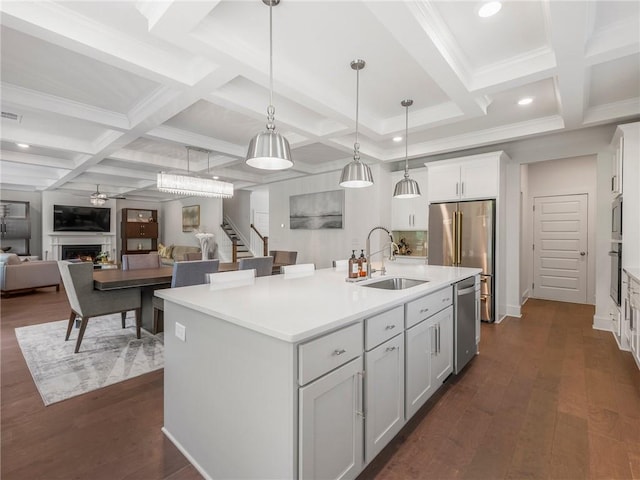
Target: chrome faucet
(392, 249)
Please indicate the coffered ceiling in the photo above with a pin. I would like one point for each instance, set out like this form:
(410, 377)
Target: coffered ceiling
(110, 93)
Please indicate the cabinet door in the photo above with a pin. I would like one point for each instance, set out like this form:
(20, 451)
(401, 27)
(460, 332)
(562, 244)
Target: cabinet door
(420, 346)
(442, 359)
(384, 394)
(420, 205)
(479, 179)
(331, 424)
(443, 183)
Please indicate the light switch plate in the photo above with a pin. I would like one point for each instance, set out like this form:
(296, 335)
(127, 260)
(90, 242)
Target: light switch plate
(181, 332)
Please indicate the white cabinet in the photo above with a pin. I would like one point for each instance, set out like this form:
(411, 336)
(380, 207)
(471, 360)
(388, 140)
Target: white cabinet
(429, 347)
(633, 317)
(442, 358)
(384, 394)
(410, 213)
(466, 178)
(616, 174)
(331, 423)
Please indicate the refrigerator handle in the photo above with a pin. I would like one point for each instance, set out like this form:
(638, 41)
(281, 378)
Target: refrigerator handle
(459, 238)
(454, 237)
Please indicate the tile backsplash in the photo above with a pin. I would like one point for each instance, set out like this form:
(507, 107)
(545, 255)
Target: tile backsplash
(413, 243)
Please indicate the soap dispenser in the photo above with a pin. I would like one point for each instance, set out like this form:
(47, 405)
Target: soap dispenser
(353, 265)
(362, 264)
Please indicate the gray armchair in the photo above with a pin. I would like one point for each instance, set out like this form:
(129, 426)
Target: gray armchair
(140, 261)
(184, 274)
(262, 265)
(86, 302)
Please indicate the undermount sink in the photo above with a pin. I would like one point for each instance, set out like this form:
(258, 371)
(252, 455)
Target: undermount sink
(395, 283)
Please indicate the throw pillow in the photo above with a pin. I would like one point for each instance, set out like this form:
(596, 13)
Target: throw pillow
(10, 259)
(164, 251)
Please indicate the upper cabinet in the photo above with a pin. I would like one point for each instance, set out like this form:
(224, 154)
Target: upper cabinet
(627, 141)
(410, 213)
(618, 157)
(467, 178)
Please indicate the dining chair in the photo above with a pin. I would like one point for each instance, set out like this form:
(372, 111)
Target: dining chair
(140, 261)
(340, 264)
(184, 274)
(233, 276)
(282, 257)
(86, 302)
(262, 265)
(300, 268)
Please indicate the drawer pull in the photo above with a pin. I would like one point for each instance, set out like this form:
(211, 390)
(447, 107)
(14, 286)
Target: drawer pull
(444, 300)
(389, 327)
(390, 349)
(423, 310)
(339, 352)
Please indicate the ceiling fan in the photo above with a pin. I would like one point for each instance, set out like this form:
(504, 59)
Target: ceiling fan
(99, 198)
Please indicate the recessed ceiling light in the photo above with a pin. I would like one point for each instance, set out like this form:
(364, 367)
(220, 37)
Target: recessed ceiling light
(23, 145)
(216, 177)
(397, 139)
(525, 101)
(489, 9)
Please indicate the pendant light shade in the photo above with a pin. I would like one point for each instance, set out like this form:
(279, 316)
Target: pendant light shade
(407, 187)
(356, 174)
(269, 150)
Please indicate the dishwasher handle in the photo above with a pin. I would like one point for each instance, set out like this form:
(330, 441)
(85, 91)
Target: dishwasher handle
(466, 291)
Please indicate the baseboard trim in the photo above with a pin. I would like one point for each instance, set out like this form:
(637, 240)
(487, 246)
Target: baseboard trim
(602, 323)
(524, 297)
(514, 311)
(185, 453)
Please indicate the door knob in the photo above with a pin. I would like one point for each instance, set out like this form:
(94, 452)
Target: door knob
(582, 254)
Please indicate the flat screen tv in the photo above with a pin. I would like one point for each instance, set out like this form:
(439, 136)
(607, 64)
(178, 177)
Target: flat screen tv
(67, 218)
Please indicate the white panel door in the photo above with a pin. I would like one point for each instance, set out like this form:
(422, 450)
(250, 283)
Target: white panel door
(384, 394)
(560, 248)
(331, 425)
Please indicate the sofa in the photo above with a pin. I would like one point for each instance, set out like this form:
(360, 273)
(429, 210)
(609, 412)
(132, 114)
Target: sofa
(178, 253)
(20, 276)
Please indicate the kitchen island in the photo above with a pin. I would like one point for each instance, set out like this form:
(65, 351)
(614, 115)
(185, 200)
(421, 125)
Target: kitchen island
(267, 379)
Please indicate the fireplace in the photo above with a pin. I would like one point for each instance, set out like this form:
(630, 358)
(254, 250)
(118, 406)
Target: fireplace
(86, 253)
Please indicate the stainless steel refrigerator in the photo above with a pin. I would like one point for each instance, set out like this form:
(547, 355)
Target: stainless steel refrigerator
(463, 234)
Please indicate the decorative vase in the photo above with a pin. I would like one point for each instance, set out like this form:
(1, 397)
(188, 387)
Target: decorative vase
(205, 240)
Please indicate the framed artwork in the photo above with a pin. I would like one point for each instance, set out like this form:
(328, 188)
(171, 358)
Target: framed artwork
(190, 218)
(314, 211)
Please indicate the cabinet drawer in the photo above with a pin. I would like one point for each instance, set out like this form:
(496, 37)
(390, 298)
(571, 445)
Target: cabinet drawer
(383, 326)
(424, 307)
(323, 354)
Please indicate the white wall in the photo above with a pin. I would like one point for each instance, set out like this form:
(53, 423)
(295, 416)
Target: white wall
(364, 209)
(171, 226)
(511, 243)
(566, 177)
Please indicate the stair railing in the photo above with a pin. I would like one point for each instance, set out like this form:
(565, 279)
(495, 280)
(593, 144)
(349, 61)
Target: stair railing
(265, 240)
(234, 244)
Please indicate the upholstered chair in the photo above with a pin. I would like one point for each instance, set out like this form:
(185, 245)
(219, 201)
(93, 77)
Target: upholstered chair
(140, 261)
(282, 257)
(262, 265)
(184, 274)
(301, 268)
(86, 302)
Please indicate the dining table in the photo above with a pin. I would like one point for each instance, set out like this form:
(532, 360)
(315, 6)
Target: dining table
(147, 280)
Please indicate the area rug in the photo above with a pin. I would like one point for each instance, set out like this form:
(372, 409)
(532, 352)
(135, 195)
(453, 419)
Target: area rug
(108, 354)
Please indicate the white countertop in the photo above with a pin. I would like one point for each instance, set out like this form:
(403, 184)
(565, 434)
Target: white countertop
(634, 272)
(297, 308)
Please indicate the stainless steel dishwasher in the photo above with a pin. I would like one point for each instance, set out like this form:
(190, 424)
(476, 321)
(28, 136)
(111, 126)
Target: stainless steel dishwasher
(464, 331)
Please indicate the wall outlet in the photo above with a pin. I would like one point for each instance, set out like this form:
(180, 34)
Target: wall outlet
(181, 332)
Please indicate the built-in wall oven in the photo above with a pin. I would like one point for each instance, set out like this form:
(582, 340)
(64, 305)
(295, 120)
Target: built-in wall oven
(616, 271)
(616, 219)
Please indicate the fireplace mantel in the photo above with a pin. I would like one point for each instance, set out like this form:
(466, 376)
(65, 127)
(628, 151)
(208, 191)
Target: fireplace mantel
(57, 239)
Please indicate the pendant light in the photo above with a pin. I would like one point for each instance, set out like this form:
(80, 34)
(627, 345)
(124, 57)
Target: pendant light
(356, 174)
(269, 150)
(406, 188)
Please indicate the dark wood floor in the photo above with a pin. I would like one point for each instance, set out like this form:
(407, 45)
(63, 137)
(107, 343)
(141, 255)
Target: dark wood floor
(548, 397)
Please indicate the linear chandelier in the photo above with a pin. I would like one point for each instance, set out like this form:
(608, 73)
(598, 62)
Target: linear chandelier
(192, 185)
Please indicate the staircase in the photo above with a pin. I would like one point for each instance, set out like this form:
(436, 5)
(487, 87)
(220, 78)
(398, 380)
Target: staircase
(239, 249)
